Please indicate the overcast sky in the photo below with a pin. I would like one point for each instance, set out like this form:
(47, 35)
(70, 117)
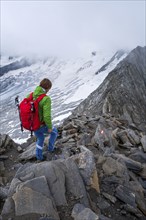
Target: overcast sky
(71, 28)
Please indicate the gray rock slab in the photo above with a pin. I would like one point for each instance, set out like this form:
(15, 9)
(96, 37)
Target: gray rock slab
(133, 137)
(55, 178)
(102, 203)
(109, 197)
(29, 201)
(38, 184)
(133, 165)
(126, 195)
(73, 180)
(86, 164)
(30, 153)
(115, 167)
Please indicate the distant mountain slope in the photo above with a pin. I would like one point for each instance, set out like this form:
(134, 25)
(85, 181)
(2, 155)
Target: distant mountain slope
(123, 92)
(14, 66)
(117, 56)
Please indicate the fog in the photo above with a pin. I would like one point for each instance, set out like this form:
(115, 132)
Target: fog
(70, 28)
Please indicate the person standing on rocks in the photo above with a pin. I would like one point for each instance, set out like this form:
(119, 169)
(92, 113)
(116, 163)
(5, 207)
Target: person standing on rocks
(45, 117)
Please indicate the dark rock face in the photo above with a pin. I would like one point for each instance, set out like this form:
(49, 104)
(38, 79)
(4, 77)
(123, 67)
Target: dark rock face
(14, 66)
(123, 92)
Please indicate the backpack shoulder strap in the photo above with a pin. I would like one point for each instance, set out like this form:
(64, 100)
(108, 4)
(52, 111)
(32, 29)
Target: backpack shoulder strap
(40, 98)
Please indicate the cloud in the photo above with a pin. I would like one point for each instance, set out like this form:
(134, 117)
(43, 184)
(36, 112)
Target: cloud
(67, 28)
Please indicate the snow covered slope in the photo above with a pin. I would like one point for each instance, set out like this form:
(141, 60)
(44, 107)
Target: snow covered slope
(73, 80)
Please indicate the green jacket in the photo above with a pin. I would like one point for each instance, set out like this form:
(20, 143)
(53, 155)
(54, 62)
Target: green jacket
(44, 107)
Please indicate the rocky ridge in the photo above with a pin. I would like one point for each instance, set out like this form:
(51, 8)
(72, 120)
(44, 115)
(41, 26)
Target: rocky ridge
(98, 170)
(123, 92)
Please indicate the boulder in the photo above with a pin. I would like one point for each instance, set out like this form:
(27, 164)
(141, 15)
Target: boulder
(73, 181)
(29, 153)
(86, 164)
(112, 166)
(28, 201)
(126, 195)
(130, 164)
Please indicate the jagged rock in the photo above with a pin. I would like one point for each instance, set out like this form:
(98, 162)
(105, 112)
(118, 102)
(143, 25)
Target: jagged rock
(84, 214)
(86, 164)
(143, 142)
(85, 139)
(122, 135)
(139, 195)
(55, 178)
(30, 153)
(103, 135)
(133, 137)
(36, 203)
(71, 131)
(74, 182)
(138, 156)
(69, 126)
(109, 197)
(126, 195)
(66, 139)
(38, 184)
(111, 181)
(102, 203)
(112, 166)
(55, 172)
(132, 210)
(131, 164)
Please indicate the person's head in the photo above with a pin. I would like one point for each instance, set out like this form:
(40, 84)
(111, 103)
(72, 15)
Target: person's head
(46, 84)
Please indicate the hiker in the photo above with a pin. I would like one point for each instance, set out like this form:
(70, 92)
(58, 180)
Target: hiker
(45, 117)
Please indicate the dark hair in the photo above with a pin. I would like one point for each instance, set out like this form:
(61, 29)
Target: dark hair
(46, 84)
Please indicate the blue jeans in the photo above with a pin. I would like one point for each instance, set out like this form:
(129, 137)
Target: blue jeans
(40, 135)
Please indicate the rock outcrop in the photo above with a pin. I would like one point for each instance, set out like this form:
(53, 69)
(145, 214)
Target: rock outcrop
(123, 92)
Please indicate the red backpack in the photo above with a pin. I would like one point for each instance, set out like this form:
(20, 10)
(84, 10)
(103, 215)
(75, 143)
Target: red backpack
(29, 113)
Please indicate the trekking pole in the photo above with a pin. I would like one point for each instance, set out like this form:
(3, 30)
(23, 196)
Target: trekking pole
(17, 105)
